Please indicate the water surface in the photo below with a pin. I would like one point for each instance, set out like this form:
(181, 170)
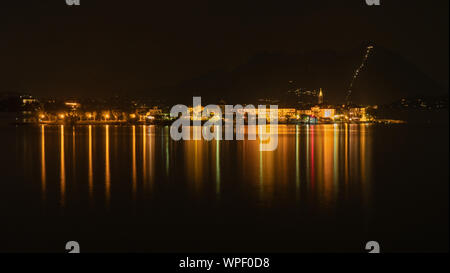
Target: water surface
(131, 188)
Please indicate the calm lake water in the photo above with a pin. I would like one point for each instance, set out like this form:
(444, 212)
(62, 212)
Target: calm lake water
(326, 188)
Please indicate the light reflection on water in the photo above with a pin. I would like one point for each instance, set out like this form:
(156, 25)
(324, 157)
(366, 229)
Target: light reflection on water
(324, 183)
(107, 168)
(43, 171)
(316, 163)
(62, 168)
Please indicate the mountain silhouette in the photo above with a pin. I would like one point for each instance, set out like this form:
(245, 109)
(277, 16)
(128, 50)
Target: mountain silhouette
(385, 77)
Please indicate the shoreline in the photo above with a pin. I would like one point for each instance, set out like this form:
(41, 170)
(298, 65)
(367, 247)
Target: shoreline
(166, 123)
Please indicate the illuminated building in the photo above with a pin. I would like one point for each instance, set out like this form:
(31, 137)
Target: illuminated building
(106, 115)
(155, 111)
(286, 113)
(327, 113)
(323, 112)
(357, 114)
(73, 105)
(28, 99)
(307, 112)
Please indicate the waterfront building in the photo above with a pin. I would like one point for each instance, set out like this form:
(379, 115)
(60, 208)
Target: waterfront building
(323, 112)
(285, 114)
(357, 113)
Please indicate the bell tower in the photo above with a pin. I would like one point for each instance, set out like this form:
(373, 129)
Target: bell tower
(320, 97)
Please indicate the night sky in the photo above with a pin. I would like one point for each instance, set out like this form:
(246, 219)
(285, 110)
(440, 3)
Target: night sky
(132, 47)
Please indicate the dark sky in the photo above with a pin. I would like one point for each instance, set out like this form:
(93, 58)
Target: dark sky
(131, 47)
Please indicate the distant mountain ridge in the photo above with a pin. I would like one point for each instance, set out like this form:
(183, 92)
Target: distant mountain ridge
(386, 77)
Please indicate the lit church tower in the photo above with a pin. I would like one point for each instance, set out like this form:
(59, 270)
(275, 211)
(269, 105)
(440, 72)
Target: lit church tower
(320, 96)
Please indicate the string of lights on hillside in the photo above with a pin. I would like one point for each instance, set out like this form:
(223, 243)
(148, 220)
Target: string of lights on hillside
(358, 70)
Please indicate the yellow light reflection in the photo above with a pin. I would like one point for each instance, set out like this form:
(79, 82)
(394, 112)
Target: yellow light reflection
(134, 185)
(311, 158)
(346, 156)
(308, 171)
(62, 174)
(43, 171)
(362, 150)
(144, 156)
(336, 158)
(107, 170)
(198, 161)
(73, 155)
(328, 158)
(297, 161)
(365, 164)
(151, 154)
(194, 159)
(217, 163)
(261, 173)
